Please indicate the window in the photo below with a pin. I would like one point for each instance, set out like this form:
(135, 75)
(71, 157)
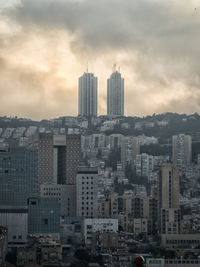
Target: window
(45, 221)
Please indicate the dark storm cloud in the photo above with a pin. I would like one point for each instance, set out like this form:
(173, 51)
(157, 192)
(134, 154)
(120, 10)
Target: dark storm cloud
(159, 42)
(163, 30)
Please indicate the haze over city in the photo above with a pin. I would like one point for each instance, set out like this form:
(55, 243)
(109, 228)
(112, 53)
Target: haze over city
(45, 47)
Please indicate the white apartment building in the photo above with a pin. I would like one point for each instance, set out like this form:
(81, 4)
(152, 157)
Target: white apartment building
(144, 164)
(181, 150)
(87, 192)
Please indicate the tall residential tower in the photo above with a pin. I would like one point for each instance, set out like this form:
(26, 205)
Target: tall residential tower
(115, 94)
(168, 199)
(87, 95)
(181, 150)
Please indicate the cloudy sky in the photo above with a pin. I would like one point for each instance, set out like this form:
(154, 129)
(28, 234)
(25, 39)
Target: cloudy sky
(45, 46)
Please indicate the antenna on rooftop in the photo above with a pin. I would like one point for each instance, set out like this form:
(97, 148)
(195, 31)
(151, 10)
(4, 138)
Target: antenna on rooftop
(114, 67)
(87, 68)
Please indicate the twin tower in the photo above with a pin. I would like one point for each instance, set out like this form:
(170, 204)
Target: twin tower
(88, 95)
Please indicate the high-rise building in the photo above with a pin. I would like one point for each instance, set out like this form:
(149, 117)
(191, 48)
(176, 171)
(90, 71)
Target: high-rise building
(58, 158)
(168, 199)
(181, 150)
(130, 148)
(73, 157)
(18, 176)
(87, 192)
(87, 95)
(144, 165)
(115, 94)
(45, 158)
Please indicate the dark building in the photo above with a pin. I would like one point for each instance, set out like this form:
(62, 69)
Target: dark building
(43, 216)
(18, 176)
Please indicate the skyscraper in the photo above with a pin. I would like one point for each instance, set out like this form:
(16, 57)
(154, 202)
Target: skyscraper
(58, 158)
(181, 150)
(18, 175)
(115, 94)
(87, 95)
(168, 199)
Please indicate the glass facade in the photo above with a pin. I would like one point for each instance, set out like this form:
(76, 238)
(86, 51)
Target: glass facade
(18, 176)
(43, 216)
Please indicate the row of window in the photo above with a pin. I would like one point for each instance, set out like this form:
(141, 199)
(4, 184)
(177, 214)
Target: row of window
(86, 197)
(87, 203)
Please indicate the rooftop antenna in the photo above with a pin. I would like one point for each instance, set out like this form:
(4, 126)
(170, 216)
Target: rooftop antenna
(114, 67)
(87, 68)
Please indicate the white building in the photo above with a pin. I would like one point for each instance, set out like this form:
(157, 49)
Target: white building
(115, 94)
(147, 140)
(181, 150)
(144, 165)
(94, 225)
(87, 95)
(87, 192)
(15, 219)
(130, 147)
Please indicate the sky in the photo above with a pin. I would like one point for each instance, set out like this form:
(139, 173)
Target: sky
(45, 46)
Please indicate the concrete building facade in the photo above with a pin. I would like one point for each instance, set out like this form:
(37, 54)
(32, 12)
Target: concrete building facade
(65, 194)
(87, 192)
(15, 219)
(168, 202)
(94, 225)
(58, 158)
(181, 150)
